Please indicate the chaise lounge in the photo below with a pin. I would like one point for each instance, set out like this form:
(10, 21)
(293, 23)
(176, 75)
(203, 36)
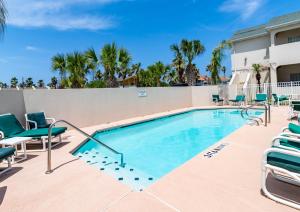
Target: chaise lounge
(239, 99)
(11, 127)
(6, 154)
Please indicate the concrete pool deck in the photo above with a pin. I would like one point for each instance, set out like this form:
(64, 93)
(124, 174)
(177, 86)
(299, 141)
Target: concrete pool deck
(229, 181)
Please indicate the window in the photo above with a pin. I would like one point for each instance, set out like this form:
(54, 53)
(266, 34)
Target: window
(293, 39)
(295, 77)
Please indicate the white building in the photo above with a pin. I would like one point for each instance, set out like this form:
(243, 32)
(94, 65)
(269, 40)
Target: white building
(275, 45)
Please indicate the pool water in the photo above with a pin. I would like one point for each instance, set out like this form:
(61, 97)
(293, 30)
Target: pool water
(154, 148)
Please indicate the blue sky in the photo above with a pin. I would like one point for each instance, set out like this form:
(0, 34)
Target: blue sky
(38, 29)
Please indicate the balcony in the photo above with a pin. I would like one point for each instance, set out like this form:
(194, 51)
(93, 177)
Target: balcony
(285, 54)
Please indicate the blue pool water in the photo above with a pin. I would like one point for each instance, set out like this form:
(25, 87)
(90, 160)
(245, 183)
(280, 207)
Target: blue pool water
(154, 148)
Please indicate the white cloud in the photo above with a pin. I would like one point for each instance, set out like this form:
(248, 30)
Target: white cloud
(246, 8)
(57, 14)
(31, 48)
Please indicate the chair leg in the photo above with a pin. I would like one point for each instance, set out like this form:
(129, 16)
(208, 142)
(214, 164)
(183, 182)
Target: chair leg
(44, 144)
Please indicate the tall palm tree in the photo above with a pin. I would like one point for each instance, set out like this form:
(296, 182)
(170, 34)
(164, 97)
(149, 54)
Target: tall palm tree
(124, 60)
(40, 84)
(158, 71)
(3, 14)
(53, 83)
(215, 65)
(109, 55)
(29, 82)
(191, 50)
(13, 82)
(93, 61)
(59, 64)
(76, 64)
(178, 62)
(257, 70)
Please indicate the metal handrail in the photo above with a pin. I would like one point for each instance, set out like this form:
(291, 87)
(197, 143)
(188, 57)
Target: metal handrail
(250, 119)
(49, 170)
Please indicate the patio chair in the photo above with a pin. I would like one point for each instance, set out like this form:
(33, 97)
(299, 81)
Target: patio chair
(279, 99)
(6, 154)
(11, 127)
(238, 99)
(216, 99)
(294, 108)
(260, 98)
(284, 165)
(37, 120)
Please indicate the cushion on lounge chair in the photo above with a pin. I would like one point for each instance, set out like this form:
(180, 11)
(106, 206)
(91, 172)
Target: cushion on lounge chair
(261, 97)
(288, 162)
(294, 128)
(216, 98)
(295, 105)
(39, 118)
(238, 98)
(291, 144)
(6, 152)
(10, 126)
(37, 133)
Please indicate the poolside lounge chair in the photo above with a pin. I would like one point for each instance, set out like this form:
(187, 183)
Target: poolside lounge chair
(279, 99)
(294, 108)
(37, 120)
(239, 99)
(6, 154)
(284, 165)
(216, 99)
(11, 127)
(260, 98)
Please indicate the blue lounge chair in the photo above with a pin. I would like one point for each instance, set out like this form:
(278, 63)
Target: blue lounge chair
(260, 98)
(279, 99)
(216, 99)
(6, 154)
(239, 99)
(284, 165)
(11, 127)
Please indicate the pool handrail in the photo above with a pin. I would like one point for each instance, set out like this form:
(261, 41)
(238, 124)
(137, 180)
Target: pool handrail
(49, 170)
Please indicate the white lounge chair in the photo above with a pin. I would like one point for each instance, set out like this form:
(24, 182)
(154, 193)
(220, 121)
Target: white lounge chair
(284, 165)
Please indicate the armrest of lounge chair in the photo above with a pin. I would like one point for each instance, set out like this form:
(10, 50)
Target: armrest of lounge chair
(28, 124)
(290, 134)
(52, 120)
(288, 143)
(1, 135)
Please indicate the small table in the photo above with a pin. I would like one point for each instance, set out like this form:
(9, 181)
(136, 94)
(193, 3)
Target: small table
(13, 142)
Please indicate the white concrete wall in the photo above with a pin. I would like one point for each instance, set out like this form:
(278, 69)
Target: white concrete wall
(255, 50)
(285, 54)
(202, 95)
(12, 101)
(85, 107)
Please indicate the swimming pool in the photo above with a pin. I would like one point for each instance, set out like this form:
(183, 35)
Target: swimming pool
(154, 148)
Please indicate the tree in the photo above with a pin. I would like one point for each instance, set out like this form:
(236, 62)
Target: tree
(3, 14)
(59, 64)
(215, 65)
(53, 83)
(178, 62)
(93, 61)
(13, 82)
(77, 67)
(191, 50)
(40, 84)
(29, 82)
(136, 69)
(153, 76)
(257, 70)
(124, 60)
(109, 54)
(98, 75)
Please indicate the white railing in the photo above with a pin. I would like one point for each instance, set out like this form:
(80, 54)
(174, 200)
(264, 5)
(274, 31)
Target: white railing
(290, 89)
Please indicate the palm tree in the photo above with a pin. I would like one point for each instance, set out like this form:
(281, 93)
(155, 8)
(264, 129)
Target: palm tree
(215, 65)
(40, 84)
(59, 64)
(190, 50)
(76, 64)
(53, 83)
(124, 60)
(257, 70)
(13, 82)
(136, 69)
(29, 82)
(3, 14)
(93, 61)
(109, 55)
(157, 72)
(178, 62)
(98, 75)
